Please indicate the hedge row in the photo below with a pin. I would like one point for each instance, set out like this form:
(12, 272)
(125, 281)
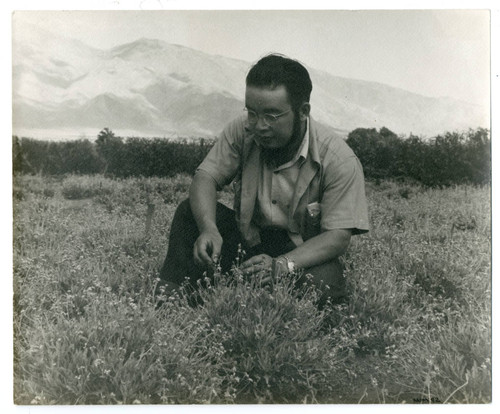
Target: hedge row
(452, 158)
(114, 156)
(448, 159)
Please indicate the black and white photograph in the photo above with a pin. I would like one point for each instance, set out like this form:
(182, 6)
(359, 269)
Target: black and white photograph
(217, 206)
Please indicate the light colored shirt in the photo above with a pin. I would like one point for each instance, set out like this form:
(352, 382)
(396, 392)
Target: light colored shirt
(276, 188)
(330, 179)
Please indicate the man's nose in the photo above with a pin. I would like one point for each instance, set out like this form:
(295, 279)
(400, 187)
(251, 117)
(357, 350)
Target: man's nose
(261, 124)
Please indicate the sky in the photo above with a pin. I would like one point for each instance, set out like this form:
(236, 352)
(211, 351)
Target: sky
(431, 52)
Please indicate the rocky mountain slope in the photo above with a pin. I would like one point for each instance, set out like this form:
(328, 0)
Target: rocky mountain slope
(152, 88)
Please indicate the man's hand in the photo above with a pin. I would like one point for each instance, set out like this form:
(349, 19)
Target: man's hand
(257, 264)
(207, 248)
(262, 265)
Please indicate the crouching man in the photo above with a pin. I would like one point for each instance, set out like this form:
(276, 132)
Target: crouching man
(299, 189)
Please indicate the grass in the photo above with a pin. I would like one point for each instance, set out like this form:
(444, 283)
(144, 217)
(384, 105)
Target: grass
(88, 329)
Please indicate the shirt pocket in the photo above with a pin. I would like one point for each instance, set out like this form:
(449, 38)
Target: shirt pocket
(312, 220)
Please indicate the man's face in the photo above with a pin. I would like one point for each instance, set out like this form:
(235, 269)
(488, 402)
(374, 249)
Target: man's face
(271, 101)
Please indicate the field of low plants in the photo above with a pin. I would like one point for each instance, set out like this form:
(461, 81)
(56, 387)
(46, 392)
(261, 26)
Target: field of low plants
(90, 327)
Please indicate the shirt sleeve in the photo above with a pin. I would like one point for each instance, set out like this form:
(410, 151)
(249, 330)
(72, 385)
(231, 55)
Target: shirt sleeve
(223, 160)
(343, 205)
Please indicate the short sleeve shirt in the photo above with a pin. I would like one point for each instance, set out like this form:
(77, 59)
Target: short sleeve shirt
(276, 188)
(331, 176)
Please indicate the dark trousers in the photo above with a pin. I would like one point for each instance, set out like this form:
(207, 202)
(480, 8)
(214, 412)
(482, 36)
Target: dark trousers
(179, 265)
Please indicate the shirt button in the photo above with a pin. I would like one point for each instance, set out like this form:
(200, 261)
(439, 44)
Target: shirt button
(274, 201)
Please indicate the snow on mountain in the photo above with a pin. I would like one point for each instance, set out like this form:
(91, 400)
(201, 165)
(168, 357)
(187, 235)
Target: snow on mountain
(152, 88)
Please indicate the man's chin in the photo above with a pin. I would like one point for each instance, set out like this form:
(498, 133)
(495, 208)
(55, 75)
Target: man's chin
(267, 142)
(271, 155)
(270, 146)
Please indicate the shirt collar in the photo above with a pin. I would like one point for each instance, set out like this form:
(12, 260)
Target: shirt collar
(304, 148)
(302, 151)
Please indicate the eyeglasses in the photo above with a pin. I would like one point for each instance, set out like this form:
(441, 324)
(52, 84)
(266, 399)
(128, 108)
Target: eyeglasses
(269, 119)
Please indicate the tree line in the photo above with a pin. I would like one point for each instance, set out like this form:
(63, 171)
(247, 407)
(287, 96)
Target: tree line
(110, 155)
(447, 159)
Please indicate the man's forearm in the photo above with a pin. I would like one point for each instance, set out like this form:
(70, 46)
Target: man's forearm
(321, 248)
(203, 201)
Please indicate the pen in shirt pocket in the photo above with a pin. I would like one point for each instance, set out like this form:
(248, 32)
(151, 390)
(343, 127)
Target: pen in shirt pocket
(314, 209)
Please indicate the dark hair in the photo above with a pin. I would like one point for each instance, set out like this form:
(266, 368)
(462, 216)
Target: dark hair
(277, 70)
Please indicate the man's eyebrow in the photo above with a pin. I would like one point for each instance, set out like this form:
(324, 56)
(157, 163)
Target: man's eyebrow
(269, 110)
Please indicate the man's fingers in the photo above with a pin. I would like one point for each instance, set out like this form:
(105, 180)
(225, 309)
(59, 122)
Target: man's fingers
(255, 260)
(216, 249)
(201, 255)
(197, 256)
(266, 280)
(248, 263)
(255, 269)
(252, 269)
(207, 250)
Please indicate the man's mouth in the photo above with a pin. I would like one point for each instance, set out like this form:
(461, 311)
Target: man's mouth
(265, 141)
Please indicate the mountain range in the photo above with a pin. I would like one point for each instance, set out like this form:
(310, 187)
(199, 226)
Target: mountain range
(63, 87)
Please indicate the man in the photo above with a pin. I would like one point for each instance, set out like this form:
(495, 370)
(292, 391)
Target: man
(299, 190)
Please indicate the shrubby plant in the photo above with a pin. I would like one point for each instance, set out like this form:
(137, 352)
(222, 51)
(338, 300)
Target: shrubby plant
(275, 347)
(445, 160)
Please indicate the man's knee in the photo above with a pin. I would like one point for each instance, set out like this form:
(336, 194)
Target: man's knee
(329, 279)
(224, 215)
(183, 209)
(330, 273)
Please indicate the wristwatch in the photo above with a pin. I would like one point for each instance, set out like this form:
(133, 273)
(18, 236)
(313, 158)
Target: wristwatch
(290, 265)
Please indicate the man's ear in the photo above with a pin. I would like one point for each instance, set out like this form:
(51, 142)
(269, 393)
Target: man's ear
(304, 111)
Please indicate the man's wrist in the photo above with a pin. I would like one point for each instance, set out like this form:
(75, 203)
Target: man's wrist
(209, 227)
(287, 263)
